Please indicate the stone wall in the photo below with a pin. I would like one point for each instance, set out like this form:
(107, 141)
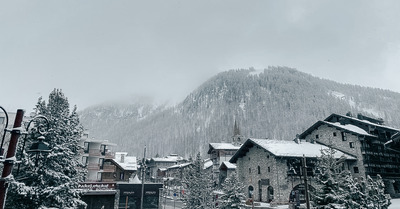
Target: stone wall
(327, 137)
(273, 174)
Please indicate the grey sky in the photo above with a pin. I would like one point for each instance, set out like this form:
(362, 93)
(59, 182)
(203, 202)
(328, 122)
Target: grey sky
(98, 50)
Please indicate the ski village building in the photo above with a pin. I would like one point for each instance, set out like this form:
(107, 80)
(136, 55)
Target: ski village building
(263, 166)
(365, 138)
(272, 169)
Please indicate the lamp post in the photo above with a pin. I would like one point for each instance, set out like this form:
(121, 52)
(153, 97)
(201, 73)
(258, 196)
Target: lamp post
(4, 133)
(16, 131)
(10, 158)
(306, 183)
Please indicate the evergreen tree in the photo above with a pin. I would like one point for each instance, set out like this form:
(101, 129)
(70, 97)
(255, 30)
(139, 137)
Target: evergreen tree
(198, 186)
(233, 193)
(374, 190)
(329, 192)
(338, 188)
(53, 182)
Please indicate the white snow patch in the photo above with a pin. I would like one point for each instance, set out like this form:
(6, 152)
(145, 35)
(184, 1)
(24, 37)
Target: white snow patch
(292, 149)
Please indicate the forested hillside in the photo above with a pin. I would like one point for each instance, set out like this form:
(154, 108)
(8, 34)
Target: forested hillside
(278, 102)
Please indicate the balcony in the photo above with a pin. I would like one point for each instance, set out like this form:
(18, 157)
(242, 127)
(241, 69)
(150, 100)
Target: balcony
(94, 153)
(108, 168)
(93, 166)
(109, 155)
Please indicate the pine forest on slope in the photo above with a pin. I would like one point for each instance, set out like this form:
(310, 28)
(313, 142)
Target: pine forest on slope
(278, 103)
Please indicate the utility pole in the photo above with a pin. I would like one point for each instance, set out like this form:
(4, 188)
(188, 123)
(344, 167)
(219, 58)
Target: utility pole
(305, 182)
(10, 158)
(143, 176)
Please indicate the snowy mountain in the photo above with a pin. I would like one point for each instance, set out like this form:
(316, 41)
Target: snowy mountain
(278, 102)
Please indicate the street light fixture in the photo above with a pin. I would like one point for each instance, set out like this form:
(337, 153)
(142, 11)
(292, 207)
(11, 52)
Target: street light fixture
(16, 131)
(36, 147)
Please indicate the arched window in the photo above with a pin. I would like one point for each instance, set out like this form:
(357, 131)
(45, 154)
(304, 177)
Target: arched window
(251, 191)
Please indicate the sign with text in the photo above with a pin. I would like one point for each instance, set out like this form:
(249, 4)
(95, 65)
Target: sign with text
(97, 186)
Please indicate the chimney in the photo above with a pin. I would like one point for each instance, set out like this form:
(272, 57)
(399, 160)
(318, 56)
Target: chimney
(122, 158)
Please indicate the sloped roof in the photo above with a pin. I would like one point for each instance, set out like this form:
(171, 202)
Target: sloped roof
(222, 146)
(284, 148)
(347, 127)
(228, 165)
(362, 121)
(179, 165)
(207, 163)
(129, 164)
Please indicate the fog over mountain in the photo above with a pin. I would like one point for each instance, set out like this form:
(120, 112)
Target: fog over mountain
(277, 102)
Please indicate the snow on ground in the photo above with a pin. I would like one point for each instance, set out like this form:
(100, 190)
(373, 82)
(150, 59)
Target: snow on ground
(395, 204)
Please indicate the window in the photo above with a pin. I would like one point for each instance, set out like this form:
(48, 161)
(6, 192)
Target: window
(268, 156)
(334, 134)
(269, 169)
(351, 144)
(344, 137)
(249, 158)
(356, 170)
(249, 170)
(259, 169)
(317, 136)
(121, 176)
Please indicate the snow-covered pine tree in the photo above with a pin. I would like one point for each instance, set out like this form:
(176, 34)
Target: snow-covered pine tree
(338, 188)
(328, 193)
(374, 190)
(198, 186)
(233, 191)
(54, 181)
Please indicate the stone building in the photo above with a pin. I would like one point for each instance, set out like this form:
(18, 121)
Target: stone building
(263, 165)
(363, 137)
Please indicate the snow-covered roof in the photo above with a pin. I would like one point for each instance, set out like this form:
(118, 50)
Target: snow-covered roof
(347, 127)
(179, 166)
(228, 165)
(284, 148)
(170, 158)
(222, 146)
(207, 163)
(363, 121)
(350, 127)
(127, 163)
(225, 146)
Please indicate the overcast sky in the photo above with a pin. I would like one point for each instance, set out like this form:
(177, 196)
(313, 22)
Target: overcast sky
(98, 50)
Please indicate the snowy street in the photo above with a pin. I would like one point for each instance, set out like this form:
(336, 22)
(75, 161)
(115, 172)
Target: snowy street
(178, 204)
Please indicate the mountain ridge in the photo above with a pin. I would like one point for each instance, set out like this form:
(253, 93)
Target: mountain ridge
(278, 102)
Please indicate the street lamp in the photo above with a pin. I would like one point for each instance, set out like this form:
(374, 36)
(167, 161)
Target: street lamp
(36, 147)
(16, 131)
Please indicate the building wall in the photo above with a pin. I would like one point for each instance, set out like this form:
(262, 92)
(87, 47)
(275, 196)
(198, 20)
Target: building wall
(247, 168)
(325, 135)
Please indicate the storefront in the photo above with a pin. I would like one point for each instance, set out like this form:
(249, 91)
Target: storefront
(130, 195)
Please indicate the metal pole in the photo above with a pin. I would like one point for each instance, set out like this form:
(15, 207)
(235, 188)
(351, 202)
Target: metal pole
(305, 182)
(5, 130)
(143, 177)
(8, 164)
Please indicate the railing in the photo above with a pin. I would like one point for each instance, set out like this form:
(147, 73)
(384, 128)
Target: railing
(108, 168)
(94, 153)
(109, 155)
(93, 166)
